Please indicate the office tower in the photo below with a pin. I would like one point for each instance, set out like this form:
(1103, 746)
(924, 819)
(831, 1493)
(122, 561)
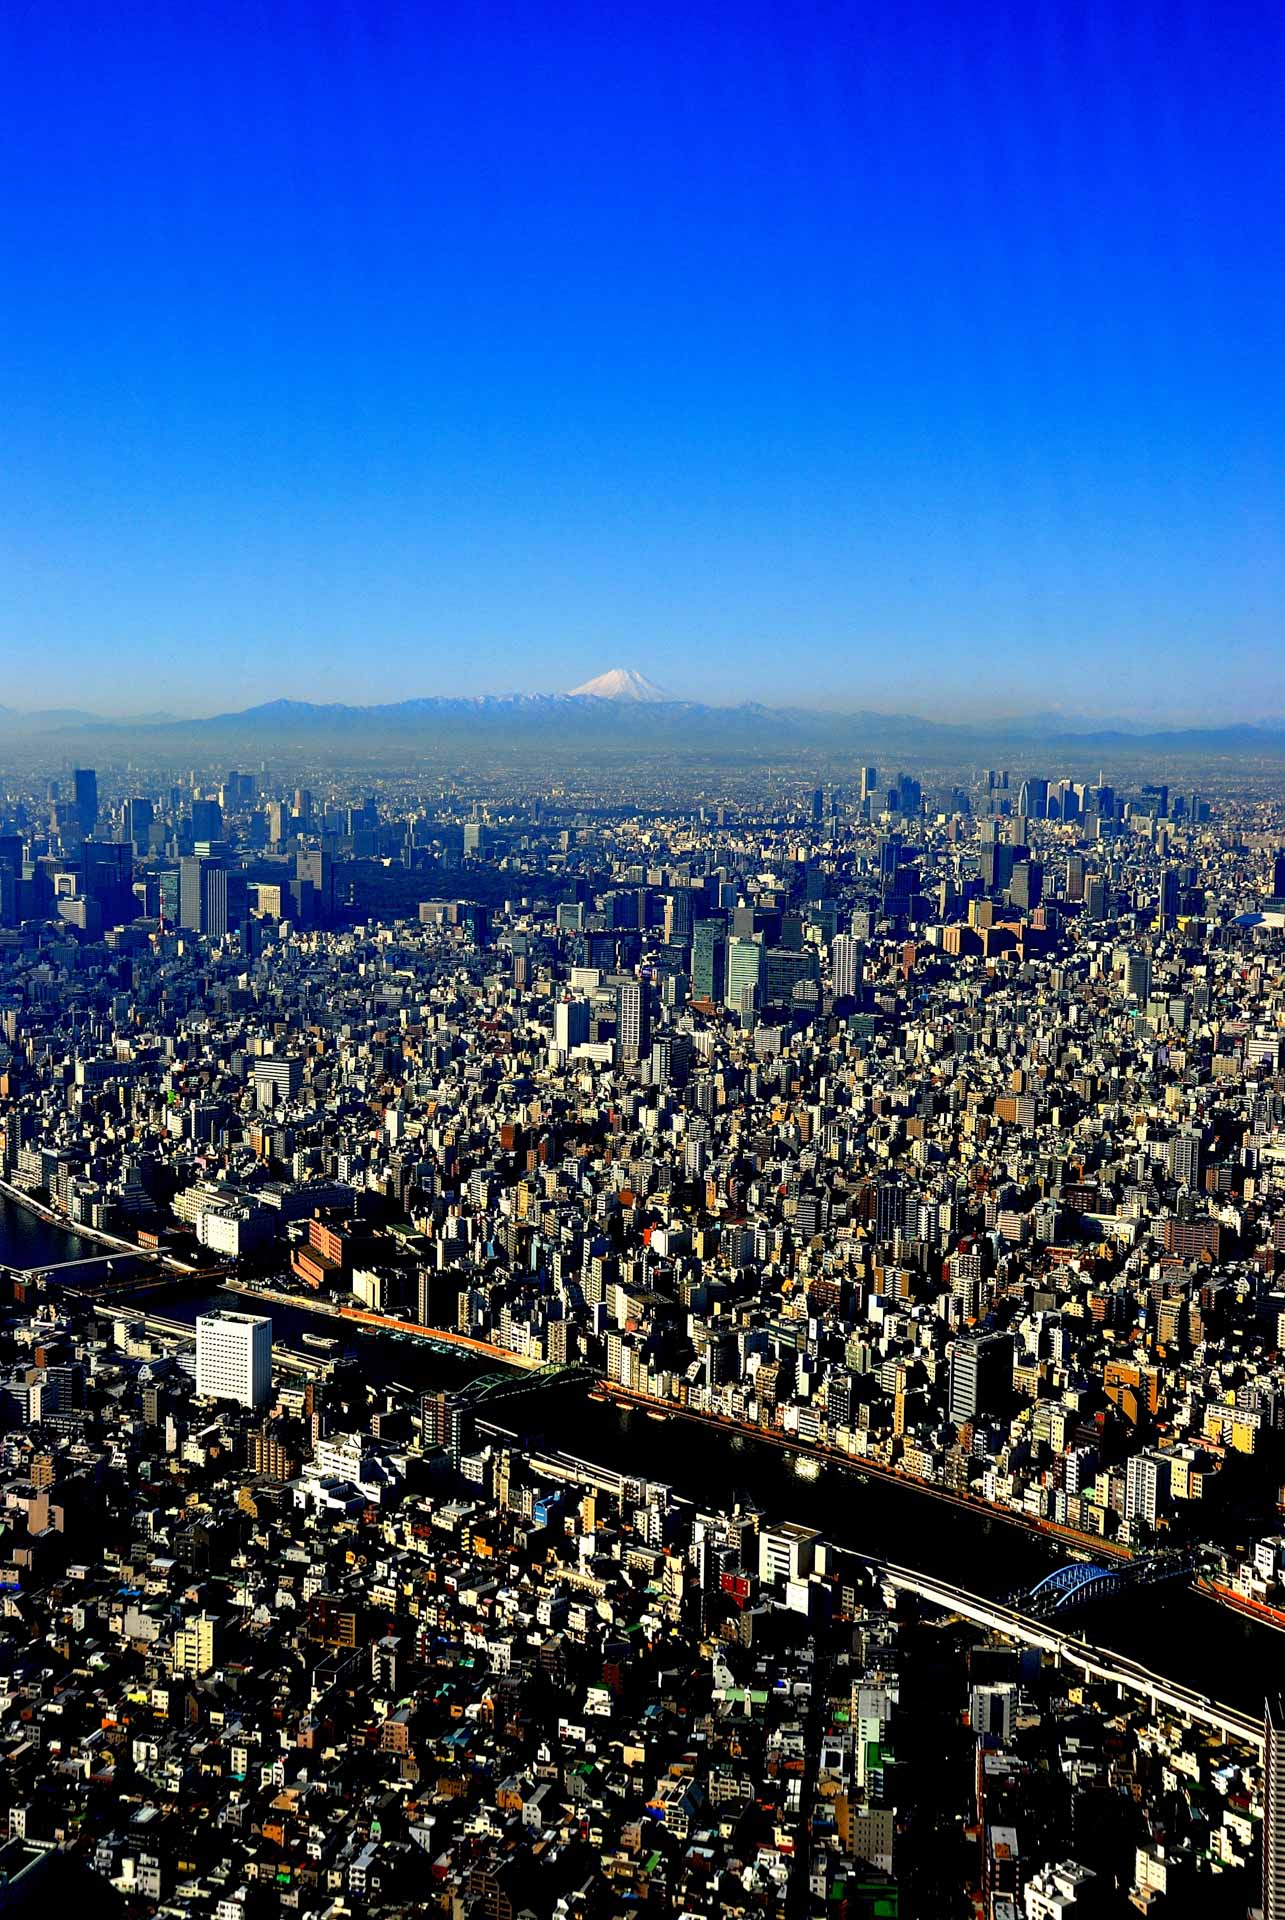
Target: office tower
(570, 1024)
(1137, 978)
(475, 837)
(1033, 798)
(85, 798)
(818, 807)
(633, 1020)
(234, 1357)
(1095, 897)
(203, 895)
(1167, 904)
(1274, 1807)
(138, 823)
(981, 1374)
(1026, 888)
(678, 917)
(207, 821)
(997, 864)
(318, 868)
(784, 968)
(107, 875)
(671, 1060)
(168, 896)
(1278, 876)
(278, 821)
(869, 781)
(1075, 876)
(709, 960)
(744, 973)
(845, 966)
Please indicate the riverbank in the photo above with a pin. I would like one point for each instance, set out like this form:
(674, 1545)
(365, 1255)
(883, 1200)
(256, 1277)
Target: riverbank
(385, 1323)
(861, 1464)
(40, 1210)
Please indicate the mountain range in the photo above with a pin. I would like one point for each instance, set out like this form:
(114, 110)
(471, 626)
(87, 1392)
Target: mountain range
(624, 709)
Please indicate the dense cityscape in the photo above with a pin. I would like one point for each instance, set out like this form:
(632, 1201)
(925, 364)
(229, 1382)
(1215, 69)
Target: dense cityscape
(718, 1352)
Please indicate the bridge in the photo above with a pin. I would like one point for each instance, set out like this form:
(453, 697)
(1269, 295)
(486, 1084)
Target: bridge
(1079, 1582)
(489, 1387)
(1097, 1663)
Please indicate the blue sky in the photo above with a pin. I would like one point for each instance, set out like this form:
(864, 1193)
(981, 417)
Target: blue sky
(910, 356)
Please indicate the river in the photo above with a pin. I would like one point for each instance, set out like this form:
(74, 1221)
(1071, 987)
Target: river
(1171, 1629)
(28, 1241)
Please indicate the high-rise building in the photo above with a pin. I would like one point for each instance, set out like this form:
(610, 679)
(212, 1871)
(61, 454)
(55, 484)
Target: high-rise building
(138, 823)
(318, 868)
(207, 821)
(1033, 798)
(1026, 888)
(1137, 978)
(1274, 1807)
(1167, 903)
(633, 1020)
(845, 966)
(234, 1357)
(744, 973)
(981, 1374)
(1146, 1484)
(709, 960)
(869, 782)
(1278, 876)
(570, 1024)
(203, 895)
(85, 797)
(678, 917)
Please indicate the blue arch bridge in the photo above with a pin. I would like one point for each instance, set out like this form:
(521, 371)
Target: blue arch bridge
(1079, 1582)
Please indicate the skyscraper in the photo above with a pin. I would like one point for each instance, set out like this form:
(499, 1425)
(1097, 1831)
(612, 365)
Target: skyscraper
(845, 966)
(138, 823)
(709, 960)
(85, 796)
(744, 973)
(207, 820)
(678, 917)
(203, 895)
(633, 1020)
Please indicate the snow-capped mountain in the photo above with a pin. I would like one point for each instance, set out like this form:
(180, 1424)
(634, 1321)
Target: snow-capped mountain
(622, 683)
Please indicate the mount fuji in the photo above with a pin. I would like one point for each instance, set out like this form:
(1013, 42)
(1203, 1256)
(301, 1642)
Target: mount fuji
(621, 683)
